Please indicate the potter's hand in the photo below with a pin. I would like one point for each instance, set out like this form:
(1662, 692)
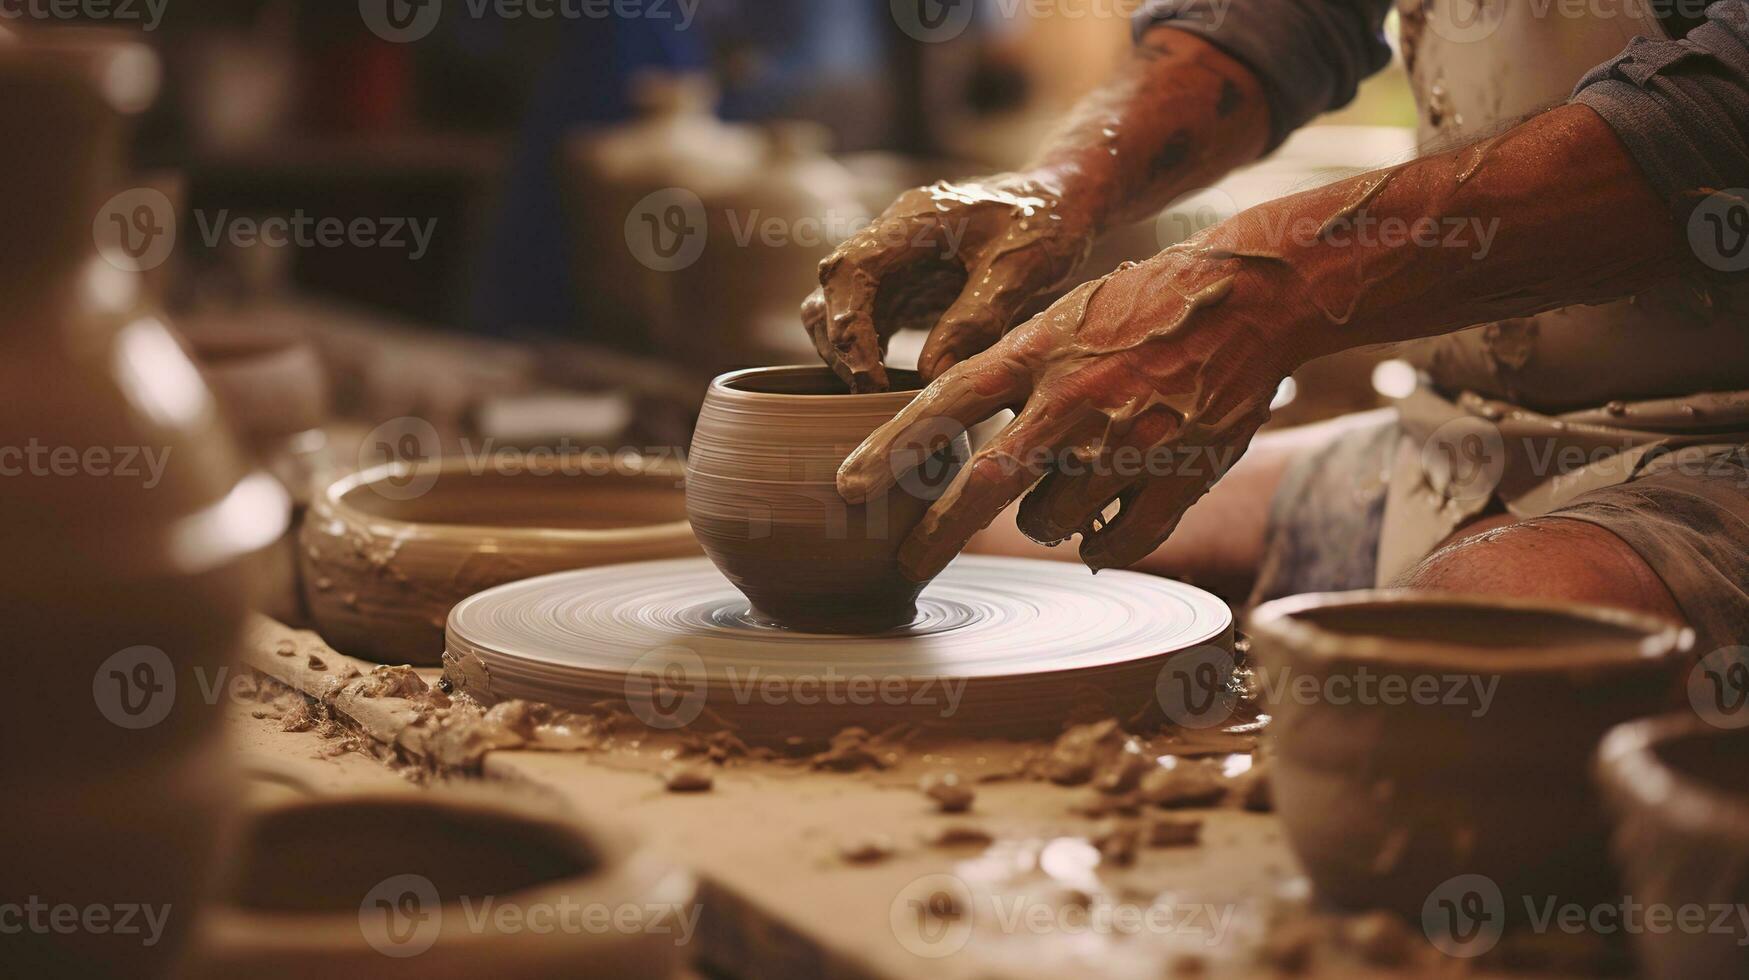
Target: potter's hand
(958, 259)
(1140, 388)
(1143, 387)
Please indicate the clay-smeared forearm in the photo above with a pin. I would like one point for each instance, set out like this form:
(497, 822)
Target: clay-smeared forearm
(963, 259)
(1178, 117)
(1551, 213)
(1170, 364)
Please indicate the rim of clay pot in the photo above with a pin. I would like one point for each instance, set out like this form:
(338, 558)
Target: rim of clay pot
(1632, 772)
(630, 467)
(738, 384)
(614, 868)
(1643, 638)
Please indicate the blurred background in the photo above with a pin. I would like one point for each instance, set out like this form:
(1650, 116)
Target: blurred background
(540, 219)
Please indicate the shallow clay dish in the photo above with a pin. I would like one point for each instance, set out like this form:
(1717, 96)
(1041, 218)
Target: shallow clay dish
(1384, 802)
(1679, 789)
(1000, 646)
(762, 498)
(383, 885)
(385, 553)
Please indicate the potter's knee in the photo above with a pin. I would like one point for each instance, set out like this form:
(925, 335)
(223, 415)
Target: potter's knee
(1546, 558)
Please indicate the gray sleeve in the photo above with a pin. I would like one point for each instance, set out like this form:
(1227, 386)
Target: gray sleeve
(1682, 107)
(1310, 55)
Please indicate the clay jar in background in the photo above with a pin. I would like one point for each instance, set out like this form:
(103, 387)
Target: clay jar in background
(763, 501)
(1679, 790)
(129, 542)
(1383, 803)
(676, 150)
(384, 886)
(385, 553)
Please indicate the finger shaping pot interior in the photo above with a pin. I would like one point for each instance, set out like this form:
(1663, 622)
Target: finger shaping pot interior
(486, 885)
(1423, 737)
(388, 551)
(762, 496)
(1680, 793)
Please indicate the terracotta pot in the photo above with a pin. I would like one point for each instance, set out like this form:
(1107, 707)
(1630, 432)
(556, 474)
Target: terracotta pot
(1677, 788)
(429, 886)
(1383, 802)
(671, 159)
(386, 552)
(762, 498)
(130, 523)
(763, 249)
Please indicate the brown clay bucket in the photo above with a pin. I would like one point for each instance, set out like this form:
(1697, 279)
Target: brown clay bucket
(430, 886)
(1679, 788)
(1429, 743)
(386, 552)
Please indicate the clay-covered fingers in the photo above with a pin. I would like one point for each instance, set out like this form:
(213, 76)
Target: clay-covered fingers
(1079, 490)
(994, 295)
(993, 478)
(1145, 521)
(844, 322)
(951, 404)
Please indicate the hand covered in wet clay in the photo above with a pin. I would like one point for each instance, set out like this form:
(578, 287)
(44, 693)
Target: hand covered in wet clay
(1142, 388)
(957, 259)
(1145, 386)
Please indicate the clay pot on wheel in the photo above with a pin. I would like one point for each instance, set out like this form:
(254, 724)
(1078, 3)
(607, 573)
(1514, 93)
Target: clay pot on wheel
(1471, 753)
(1680, 794)
(763, 501)
(367, 885)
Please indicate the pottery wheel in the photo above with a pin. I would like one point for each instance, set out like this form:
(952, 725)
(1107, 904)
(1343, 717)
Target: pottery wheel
(999, 645)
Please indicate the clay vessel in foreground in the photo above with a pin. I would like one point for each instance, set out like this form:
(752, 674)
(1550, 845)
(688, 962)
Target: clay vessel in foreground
(129, 525)
(1678, 789)
(762, 498)
(386, 552)
(1471, 754)
(390, 885)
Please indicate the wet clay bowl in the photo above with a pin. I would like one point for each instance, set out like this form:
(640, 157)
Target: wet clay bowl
(386, 552)
(430, 886)
(1679, 790)
(763, 501)
(1397, 769)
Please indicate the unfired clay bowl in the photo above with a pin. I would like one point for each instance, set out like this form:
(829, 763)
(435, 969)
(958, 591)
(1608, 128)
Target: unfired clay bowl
(386, 552)
(383, 886)
(763, 501)
(1679, 789)
(1385, 802)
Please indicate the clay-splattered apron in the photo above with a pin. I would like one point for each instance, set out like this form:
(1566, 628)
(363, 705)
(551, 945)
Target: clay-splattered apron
(1534, 412)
